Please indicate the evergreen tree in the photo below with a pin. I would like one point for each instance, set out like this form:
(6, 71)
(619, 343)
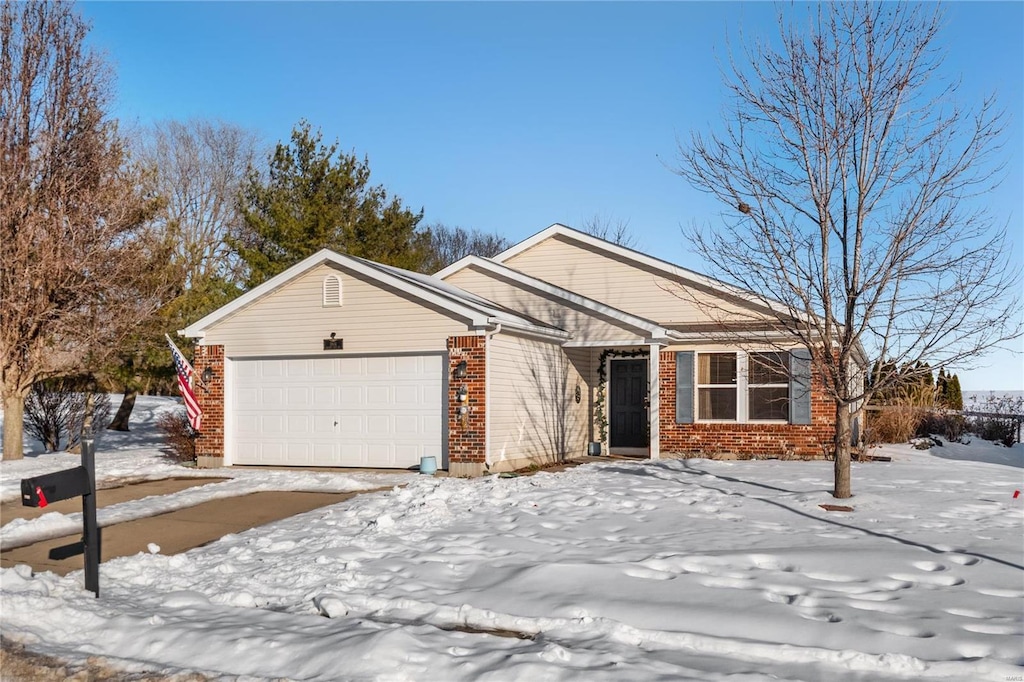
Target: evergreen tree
(941, 388)
(954, 397)
(315, 197)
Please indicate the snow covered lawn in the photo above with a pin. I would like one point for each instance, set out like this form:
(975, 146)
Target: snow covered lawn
(681, 569)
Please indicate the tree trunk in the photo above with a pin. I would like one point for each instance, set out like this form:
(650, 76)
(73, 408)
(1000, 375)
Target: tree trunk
(124, 412)
(842, 453)
(14, 423)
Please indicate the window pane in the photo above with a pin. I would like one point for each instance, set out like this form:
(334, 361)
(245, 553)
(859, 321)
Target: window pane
(717, 403)
(768, 368)
(716, 368)
(769, 403)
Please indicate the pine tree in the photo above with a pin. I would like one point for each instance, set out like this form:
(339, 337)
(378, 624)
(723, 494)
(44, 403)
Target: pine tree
(315, 197)
(941, 388)
(954, 397)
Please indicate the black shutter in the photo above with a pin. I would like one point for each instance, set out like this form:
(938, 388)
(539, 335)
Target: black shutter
(684, 387)
(800, 386)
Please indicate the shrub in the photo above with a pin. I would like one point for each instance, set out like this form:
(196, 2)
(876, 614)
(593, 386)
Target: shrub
(178, 435)
(950, 425)
(896, 424)
(1001, 429)
(56, 410)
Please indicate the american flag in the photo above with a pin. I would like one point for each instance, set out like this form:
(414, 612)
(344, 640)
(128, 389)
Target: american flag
(185, 372)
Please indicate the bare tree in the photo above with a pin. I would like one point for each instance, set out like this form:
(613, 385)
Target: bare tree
(199, 166)
(450, 244)
(852, 176)
(611, 230)
(76, 256)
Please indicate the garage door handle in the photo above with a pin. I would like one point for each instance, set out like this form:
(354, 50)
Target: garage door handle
(335, 422)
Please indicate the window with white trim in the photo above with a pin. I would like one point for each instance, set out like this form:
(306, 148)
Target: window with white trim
(768, 386)
(716, 386)
(742, 387)
(332, 291)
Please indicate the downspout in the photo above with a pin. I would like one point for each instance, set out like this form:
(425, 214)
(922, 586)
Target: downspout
(487, 391)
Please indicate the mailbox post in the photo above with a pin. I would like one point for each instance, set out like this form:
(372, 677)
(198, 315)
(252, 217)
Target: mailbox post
(90, 530)
(62, 485)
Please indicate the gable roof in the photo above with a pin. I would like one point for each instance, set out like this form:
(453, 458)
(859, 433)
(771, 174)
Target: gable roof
(653, 329)
(627, 255)
(479, 311)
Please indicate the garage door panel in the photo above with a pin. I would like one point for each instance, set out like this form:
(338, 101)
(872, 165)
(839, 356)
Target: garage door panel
(299, 396)
(247, 398)
(324, 366)
(408, 365)
(352, 425)
(324, 396)
(380, 411)
(324, 424)
(379, 366)
(298, 424)
(270, 450)
(378, 425)
(271, 368)
(431, 428)
(271, 397)
(298, 368)
(352, 397)
(408, 394)
(246, 370)
(378, 397)
(351, 367)
(271, 424)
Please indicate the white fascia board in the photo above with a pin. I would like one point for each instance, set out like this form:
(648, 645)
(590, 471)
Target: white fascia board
(638, 341)
(556, 228)
(611, 343)
(460, 264)
(197, 329)
(624, 254)
(649, 326)
(543, 332)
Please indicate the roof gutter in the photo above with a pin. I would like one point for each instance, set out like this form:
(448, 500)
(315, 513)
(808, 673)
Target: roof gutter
(530, 330)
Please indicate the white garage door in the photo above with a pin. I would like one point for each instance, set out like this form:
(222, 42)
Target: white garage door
(374, 411)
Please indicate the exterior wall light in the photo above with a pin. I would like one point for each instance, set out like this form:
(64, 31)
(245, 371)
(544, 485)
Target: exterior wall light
(460, 370)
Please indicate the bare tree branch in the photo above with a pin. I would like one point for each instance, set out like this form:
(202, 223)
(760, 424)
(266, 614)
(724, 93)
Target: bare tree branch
(851, 176)
(76, 256)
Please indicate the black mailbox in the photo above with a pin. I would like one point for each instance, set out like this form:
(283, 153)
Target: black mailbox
(60, 485)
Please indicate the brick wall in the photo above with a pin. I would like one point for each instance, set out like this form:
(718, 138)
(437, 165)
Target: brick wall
(210, 443)
(467, 433)
(745, 440)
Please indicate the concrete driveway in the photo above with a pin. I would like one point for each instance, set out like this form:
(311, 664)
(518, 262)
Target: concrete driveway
(174, 532)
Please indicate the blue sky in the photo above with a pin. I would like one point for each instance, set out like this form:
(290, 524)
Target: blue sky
(507, 117)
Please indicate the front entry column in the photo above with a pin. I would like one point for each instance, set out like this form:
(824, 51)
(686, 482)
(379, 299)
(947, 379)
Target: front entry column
(654, 400)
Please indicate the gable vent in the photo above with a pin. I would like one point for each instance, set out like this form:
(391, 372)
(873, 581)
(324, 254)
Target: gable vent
(332, 291)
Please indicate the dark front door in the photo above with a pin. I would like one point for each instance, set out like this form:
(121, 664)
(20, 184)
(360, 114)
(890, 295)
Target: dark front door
(628, 404)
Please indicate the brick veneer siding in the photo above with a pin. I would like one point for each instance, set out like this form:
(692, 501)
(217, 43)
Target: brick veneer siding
(467, 434)
(744, 440)
(210, 443)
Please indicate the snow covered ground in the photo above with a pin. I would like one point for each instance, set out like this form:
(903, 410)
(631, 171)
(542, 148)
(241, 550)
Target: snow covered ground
(673, 570)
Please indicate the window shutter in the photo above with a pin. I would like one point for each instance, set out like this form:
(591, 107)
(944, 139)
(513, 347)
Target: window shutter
(684, 387)
(332, 291)
(800, 386)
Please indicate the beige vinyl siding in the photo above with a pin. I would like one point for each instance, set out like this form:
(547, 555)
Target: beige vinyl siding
(584, 361)
(626, 286)
(562, 314)
(534, 417)
(371, 319)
